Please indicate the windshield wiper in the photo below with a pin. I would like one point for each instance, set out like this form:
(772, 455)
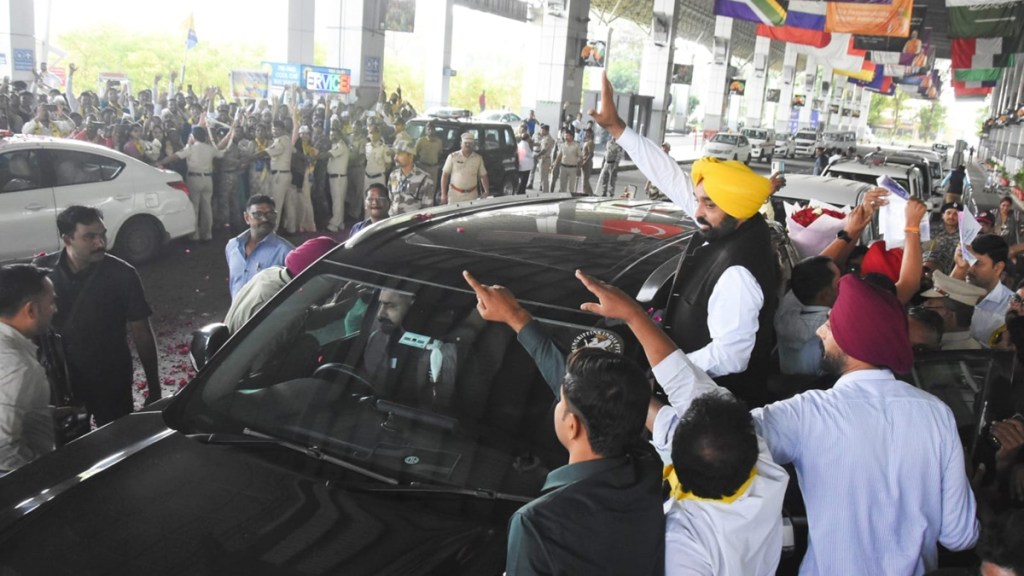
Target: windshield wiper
(316, 453)
(420, 487)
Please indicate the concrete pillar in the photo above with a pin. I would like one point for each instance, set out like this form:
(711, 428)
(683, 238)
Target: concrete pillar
(835, 97)
(757, 84)
(434, 18)
(810, 81)
(714, 102)
(357, 44)
(785, 107)
(558, 76)
(865, 106)
(301, 16)
(656, 70)
(18, 40)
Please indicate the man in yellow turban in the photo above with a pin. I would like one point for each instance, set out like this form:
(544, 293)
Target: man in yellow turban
(728, 282)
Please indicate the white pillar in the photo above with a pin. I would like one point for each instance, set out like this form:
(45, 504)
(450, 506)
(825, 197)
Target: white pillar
(301, 16)
(756, 85)
(714, 105)
(808, 88)
(785, 106)
(18, 40)
(558, 77)
(865, 106)
(656, 70)
(434, 20)
(357, 44)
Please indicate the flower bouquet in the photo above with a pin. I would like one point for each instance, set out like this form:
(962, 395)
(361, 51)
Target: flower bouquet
(813, 227)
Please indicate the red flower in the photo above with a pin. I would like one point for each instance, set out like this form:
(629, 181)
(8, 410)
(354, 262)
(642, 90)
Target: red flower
(806, 216)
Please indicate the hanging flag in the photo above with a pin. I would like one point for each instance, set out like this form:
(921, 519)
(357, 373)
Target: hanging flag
(869, 19)
(807, 14)
(876, 82)
(191, 40)
(919, 39)
(865, 74)
(795, 35)
(985, 18)
(977, 74)
(763, 11)
(836, 54)
(970, 53)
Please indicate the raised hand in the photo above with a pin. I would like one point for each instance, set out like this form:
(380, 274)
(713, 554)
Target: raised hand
(607, 117)
(498, 304)
(611, 302)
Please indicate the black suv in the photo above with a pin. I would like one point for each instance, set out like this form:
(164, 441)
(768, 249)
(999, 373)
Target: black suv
(495, 141)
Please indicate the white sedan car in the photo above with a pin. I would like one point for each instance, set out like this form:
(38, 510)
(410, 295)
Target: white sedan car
(785, 146)
(143, 207)
(510, 118)
(728, 146)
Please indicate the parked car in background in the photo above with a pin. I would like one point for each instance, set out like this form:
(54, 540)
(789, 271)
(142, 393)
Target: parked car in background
(805, 141)
(907, 176)
(143, 207)
(504, 116)
(728, 146)
(495, 141)
(308, 444)
(841, 139)
(785, 146)
(448, 112)
(762, 143)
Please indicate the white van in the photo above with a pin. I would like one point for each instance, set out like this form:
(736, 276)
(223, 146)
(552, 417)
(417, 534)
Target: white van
(762, 143)
(806, 141)
(841, 139)
(909, 177)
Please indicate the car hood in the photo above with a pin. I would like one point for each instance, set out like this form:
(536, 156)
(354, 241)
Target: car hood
(162, 503)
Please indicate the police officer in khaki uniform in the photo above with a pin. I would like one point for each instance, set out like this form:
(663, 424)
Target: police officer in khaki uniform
(281, 189)
(461, 173)
(378, 159)
(428, 152)
(337, 178)
(568, 160)
(544, 146)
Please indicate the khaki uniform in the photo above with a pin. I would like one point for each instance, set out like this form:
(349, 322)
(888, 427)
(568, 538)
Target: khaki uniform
(464, 173)
(428, 156)
(411, 192)
(378, 162)
(569, 158)
(610, 168)
(545, 146)
(199, 157)
(587, 166)
(356, 175)
(337, 179)
(280, 188)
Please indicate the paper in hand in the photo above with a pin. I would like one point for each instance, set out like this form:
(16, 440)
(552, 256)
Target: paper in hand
(969, 230)
(892, 218)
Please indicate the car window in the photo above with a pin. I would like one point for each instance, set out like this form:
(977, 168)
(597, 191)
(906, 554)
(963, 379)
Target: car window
(806, 135)
(725, 139)
(492, 139)
(395, 376)
(72, 167)
(19, 170)
(507, 138)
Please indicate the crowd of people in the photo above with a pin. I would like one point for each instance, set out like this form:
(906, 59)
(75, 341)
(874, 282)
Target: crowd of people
(881, 465)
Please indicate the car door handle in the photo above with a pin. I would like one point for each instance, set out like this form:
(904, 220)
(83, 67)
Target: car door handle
(35, 207)
(123, 197)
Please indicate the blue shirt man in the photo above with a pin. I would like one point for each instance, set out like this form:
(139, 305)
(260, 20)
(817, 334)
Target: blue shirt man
(258, 247)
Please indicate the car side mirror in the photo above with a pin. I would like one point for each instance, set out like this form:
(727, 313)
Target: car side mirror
(205, 343)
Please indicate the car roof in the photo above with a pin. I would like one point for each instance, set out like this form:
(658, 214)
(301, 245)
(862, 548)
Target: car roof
(836, 191)
(855, 167)
(22, 141)
(525, 243)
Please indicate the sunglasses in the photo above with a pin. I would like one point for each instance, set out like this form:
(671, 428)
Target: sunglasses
(263, 215)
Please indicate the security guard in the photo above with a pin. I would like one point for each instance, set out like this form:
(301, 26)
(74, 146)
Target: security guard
(462, 171)
(411, 187)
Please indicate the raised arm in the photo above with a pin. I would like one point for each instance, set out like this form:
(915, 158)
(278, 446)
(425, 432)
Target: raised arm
(854, 224)
(910, 269)
(652, 161)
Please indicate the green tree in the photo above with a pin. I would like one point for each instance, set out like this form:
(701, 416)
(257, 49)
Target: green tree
(624, 75)
(140, 57)
(691, 105)
(931, 121)
(879, 109)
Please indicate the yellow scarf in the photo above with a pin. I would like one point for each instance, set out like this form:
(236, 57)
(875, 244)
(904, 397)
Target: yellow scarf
(680, 493)
(54, 130)
(308, 150)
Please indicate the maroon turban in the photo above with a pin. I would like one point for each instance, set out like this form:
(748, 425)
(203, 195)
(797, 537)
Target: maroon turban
(869, 324)
(308, 252)
(878, 260)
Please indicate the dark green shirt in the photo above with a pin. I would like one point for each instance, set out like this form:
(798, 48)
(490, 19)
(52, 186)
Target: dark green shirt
(596, 517)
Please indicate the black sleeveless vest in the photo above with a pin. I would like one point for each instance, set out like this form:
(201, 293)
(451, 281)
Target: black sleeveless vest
(749, 246)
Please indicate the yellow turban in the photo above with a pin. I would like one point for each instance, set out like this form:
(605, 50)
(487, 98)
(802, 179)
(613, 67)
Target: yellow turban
(737, 189)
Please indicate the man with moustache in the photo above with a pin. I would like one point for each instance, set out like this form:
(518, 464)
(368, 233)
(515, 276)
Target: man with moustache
(728, 283)
(378, 204)
(381, 358)
(258, 247)
(101, 302)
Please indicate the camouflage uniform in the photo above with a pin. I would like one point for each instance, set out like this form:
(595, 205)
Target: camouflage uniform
(942, 249)
(428, 155)
(411, 192)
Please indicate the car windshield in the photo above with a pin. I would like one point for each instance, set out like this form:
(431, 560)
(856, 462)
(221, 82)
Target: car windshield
(756, 134)
(398, 377)
(730, 139)
(806, 135)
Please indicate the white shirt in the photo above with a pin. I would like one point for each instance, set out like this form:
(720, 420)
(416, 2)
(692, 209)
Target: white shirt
(990, 314)
(741, 538)
(26, 421)
(525, 156)
(882, 474)
(57, 128)
(736, 299)
(796, 329)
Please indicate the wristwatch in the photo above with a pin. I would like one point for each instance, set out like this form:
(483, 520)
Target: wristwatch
(844, 236)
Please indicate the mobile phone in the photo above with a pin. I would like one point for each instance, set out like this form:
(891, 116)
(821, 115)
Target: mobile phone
(51, 107)
(778, 166)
